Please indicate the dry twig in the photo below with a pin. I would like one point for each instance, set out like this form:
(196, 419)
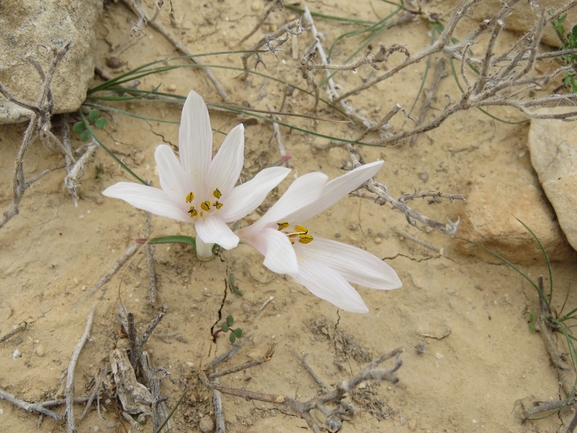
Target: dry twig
(334, 417)
(134, 5)
(39, 125)
(69, 390)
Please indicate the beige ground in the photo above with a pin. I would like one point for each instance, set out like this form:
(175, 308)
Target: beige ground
(479, 357)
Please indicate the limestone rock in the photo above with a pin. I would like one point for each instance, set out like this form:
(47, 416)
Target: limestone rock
(525, 14)
(29, 29)
(553, 147)
(489, 219)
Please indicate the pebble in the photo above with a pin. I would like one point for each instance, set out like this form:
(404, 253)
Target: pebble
(412, 424)
(378, 240)
(114, 62)
(206, 424)
(255, 6)
(40, 350)
(171, 87)
(16, 354)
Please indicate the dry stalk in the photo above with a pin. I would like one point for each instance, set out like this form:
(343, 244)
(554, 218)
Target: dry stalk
(134, 5)
(272, 42)
(411, 215)
(132, 249)
(505, 80)
(39, 125)
(334, 397)
(69, 390)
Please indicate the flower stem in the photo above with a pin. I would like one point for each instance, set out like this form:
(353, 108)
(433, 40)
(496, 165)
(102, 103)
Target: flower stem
(203, 250)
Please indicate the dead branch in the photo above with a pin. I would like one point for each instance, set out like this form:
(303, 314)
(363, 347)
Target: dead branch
(272, 42)
(69, 391)
(334, 417)
(39, 408)
(115, 267)
(144, 18)
(271, 7)
(150, 262)
(39, 125)
(15, 331)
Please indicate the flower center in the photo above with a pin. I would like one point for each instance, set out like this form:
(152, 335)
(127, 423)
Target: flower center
(300, 233)
(205, 206)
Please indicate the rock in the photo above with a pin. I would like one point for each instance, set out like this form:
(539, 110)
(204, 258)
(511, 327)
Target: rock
(553, 147)
(30, 28)
(524, 16)
(488, 218)
(206, 424)
(40, 350)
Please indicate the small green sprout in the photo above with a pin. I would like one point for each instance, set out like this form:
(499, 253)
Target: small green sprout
(569, 42)
(226, 327)
(95, 119)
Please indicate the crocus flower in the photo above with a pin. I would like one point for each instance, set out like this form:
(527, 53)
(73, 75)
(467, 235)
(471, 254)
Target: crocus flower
(323, 266)
(200, 189)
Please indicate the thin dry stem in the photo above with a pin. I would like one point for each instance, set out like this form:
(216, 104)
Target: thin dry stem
(69, 390)
(139, 12)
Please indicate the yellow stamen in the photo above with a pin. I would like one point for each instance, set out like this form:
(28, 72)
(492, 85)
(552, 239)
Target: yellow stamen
(217, 205)
(305, 238)
(282, 226)
(217, 193)
(205, 205)
(301, 229)
(192, 211)
(189, 197)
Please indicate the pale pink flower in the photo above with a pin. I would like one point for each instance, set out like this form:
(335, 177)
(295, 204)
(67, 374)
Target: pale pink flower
(200, 189)
(323, 266)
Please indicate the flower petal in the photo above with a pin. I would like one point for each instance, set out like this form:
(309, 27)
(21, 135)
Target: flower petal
(280, 255)
(303, 191)
(246, 197)
(173, 179)
(337, 189)
(329, 285)
(213, 230)
(153, 200)
(195, 140)
(226, 165)
(355, 265)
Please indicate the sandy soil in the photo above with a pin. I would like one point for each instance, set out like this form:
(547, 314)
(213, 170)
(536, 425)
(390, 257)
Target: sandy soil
(470, 355)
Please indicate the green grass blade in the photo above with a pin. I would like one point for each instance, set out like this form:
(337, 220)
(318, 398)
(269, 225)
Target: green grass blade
(512, 266)
(546, 259)
(108, 150)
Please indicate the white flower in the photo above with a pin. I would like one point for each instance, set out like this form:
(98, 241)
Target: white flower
(323, 266)
(200, 189)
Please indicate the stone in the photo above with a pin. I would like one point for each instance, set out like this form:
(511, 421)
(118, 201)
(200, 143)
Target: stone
(488, 218)
(30, 30)
(206, 424)
(525, 14)
(553, 147)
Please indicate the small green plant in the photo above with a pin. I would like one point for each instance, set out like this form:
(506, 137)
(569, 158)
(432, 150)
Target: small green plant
(569, 42)
(548, 321)
(95, 119)
(226, 327)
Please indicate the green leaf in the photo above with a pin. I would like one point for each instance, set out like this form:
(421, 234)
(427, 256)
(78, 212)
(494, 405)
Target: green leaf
(85, 136)
(101, 122)
(237, 332)
(178, 239)
(93, 115)
(79, 127)
(112, 155)
(232, 337)
(224, 327)
(230, 320)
